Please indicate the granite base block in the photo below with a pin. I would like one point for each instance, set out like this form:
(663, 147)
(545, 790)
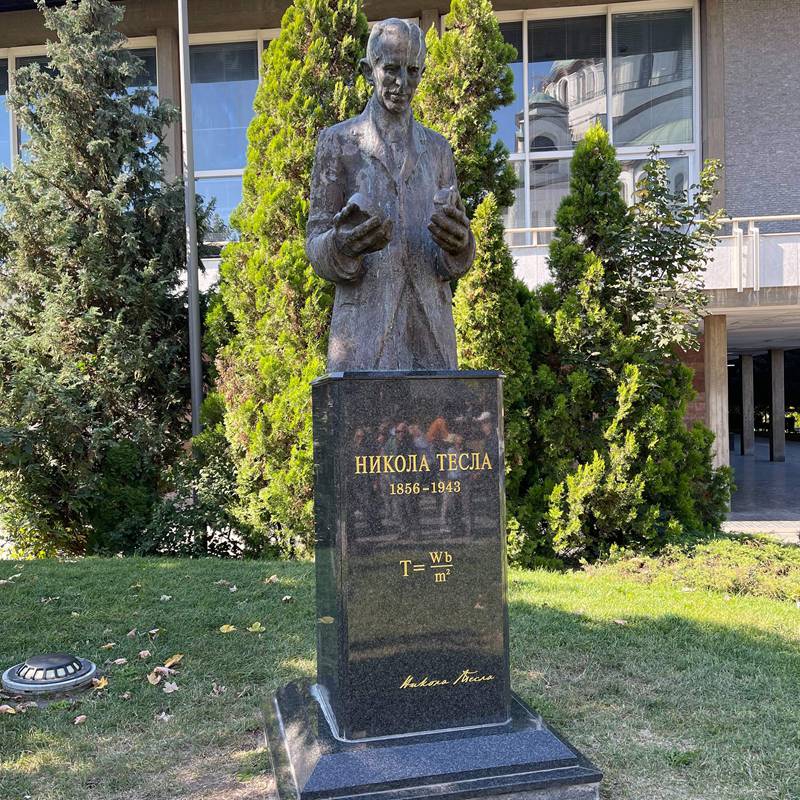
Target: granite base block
(520, 759)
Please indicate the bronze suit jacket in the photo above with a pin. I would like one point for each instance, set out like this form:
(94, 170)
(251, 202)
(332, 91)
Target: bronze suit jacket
(397, 315)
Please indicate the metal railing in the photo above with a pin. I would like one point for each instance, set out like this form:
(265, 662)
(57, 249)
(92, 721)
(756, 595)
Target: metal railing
(746, 238)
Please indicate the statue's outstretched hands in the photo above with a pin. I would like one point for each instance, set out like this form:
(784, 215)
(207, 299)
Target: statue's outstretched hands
(358, 232)
(449, 225)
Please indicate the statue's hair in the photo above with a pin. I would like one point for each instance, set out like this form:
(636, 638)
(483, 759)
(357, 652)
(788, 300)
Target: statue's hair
(416, 41)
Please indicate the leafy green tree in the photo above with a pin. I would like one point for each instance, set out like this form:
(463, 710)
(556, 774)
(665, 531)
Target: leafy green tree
(616, 463)
(279, 310)
(93, 345)
(466, 79)
(491, 334)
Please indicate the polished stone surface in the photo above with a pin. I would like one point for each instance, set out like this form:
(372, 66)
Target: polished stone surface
(523, 759)
(766, 499)
(412, 630)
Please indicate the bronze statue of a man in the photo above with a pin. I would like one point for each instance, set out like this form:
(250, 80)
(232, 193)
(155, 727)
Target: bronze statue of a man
(387, 224)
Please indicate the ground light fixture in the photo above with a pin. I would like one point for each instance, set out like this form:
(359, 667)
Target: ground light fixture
(51, 673)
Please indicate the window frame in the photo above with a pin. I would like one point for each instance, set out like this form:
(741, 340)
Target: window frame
(11, 54)
(692, 151)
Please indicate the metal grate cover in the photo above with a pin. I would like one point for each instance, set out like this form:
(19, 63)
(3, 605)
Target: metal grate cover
(49, 674)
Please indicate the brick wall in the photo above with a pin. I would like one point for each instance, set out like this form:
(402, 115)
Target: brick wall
(696, 410)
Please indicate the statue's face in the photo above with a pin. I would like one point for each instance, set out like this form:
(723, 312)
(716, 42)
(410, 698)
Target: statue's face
(396, 73)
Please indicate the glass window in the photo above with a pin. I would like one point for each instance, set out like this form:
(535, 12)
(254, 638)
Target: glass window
(566, 80)
(515, 216)
(549, 185)
(27, 61)
(509, 120)
(5, 118)
(228, 194)
(147, 77)
(652, 102)
(224, 82)
(677, 170)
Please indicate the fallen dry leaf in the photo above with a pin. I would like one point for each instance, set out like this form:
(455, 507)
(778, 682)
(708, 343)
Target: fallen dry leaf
(234, 588)
(131, 634)
(287, 599)
(125, 696)
(166, 597)
(173, 660)
(165, 671)
(222, 582)
(100, 683)
(326, 620)
(80, 719)
(4, 583)
(23, 707)
(256, 627)
(108, 646)
(6, 709)
(271, 579)
(154, 632)
(217, 690)
(227, 628)
(163, 717)
(120, 662)
(74, 614)
(47, 600)
(169, 688)
(154, 678)
(621, 621)
(143, 654)
(136, 586)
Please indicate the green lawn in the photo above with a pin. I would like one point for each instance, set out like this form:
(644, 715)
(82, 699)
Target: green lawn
(675, 692)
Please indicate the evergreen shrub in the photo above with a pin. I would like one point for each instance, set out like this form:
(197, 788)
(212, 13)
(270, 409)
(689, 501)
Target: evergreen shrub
(615, 464)
(93, 342)
(277, 309)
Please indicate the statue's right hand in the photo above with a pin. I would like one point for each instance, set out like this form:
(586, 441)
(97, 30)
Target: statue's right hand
(369, 236)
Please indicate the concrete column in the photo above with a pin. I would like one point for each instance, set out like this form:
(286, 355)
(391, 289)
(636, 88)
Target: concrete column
(716, 369)
(169, 88)
(777, 408)
(712, 53)
(748, 406)
(430, 17)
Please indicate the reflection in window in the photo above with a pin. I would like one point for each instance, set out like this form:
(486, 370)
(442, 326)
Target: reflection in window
(224, 82)
(549, 186)
(5, 118)
(633, 169)
(227, 192)
(509, 120)
(652, 101)
(514, 217)
(42, 61)
(147, 77)
(566, 79)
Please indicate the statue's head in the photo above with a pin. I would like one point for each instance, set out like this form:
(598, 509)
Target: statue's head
(395, 62)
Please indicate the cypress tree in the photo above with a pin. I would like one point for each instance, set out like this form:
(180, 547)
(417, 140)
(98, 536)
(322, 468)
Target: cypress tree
(491, 333)
(93, 345)
(279, 309)
(616, 464)
(467, 78)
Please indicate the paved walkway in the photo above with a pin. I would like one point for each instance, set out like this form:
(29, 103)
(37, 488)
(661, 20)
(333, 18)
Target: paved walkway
(767, 497)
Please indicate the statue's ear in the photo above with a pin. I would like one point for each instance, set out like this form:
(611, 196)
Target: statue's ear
(366, 68)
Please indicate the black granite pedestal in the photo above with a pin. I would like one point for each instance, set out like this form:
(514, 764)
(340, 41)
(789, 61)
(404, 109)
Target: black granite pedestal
(412, 697)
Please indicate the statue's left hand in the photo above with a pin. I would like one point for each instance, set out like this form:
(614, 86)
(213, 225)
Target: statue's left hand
(449, 225)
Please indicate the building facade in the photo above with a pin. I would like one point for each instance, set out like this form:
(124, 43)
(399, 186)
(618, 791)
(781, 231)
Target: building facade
(699, 78)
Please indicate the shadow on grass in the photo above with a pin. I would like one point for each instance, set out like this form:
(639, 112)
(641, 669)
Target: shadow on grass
(667, 707)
